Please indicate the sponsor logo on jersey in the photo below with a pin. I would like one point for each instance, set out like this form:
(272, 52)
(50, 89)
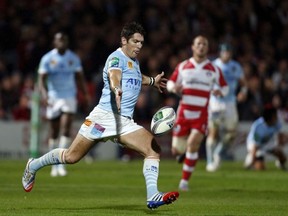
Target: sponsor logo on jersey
(208, 74)
(130, 64)
(114, 62)
(134, 84)
(196, 81)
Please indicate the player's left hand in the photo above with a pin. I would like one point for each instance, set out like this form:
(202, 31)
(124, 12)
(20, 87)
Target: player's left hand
(217, 93)
(160, 82)
(241, 97)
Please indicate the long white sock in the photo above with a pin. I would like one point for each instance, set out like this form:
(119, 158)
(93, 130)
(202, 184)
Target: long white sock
(218, 150)
(52, 143)
(64, 141)
(210, 145)
(56, 156)
(151, 172)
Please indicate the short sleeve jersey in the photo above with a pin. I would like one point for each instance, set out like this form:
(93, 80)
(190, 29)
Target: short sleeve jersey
(261, 133)
(61, 71)
(131, 83)
(232, 72)
(197, 81)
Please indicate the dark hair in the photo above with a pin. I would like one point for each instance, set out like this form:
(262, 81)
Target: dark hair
(64, 35)
(269, 113)
(225, 47)
(131, 28)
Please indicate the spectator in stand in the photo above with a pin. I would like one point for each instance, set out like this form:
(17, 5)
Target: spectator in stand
(9, 96)
(22, 112)
(280, 80)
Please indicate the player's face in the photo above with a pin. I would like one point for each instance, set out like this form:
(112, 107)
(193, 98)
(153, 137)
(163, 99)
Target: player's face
(225, 55)
(200, 47)
(132, 46)
(60, 41)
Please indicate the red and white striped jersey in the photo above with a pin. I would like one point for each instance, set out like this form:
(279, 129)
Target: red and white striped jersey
(197, 81)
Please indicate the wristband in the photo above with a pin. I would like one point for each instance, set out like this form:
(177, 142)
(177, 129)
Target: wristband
(152, 81)
(116, 88)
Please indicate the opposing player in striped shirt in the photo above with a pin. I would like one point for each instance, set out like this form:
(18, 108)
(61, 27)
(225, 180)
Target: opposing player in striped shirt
(193, 80)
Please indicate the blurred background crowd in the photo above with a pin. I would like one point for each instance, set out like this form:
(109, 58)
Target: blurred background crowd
(257, 30)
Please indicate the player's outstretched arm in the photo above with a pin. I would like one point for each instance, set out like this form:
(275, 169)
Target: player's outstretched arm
(159, 81)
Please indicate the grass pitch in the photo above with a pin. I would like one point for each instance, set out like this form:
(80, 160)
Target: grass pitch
(106, 188)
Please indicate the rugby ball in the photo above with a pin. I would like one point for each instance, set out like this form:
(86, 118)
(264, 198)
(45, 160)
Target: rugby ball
(163, 120)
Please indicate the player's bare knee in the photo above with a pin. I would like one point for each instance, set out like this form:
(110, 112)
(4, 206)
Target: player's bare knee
(174, 151)
(152, 149)
(155, 146)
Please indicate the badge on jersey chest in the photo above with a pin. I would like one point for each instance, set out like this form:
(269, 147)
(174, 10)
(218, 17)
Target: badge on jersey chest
(130, 64)
(53, 62)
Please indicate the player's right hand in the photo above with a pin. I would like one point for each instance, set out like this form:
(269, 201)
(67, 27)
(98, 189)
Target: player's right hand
(118, 96)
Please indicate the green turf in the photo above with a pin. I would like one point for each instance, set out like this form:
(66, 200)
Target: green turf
(106, 188)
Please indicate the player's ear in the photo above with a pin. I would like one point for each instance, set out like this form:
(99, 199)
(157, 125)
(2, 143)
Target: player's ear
(123, 41)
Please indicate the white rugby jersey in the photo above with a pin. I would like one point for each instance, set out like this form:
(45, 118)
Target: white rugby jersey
(197, 81)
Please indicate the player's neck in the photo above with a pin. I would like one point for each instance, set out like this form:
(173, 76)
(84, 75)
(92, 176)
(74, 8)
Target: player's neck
(126, 53)
(61, 51)
(199, 59)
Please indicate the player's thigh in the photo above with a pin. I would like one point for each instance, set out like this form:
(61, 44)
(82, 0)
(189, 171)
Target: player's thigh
(179, 144)
(194, 141)
(142, 141)
(231, 118)
(67, 120)
(78, 149)
(213, 132)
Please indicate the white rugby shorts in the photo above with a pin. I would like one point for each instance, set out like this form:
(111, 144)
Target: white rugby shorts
(223, 114)
(58, 106)
(101, 124)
